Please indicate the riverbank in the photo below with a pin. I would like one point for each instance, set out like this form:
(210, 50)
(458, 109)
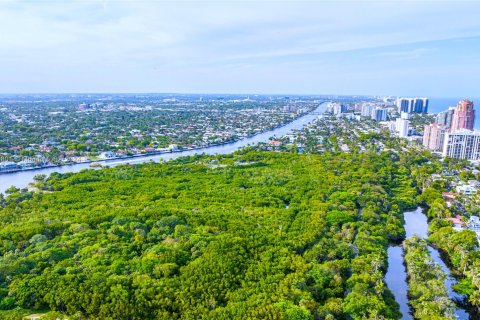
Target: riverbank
(427, 291)
(416, 225)
(21, 179)
(338, 257)
(159, 152)
(149, 154)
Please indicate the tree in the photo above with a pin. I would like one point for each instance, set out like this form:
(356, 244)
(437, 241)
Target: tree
(12, 190)
(39, 177)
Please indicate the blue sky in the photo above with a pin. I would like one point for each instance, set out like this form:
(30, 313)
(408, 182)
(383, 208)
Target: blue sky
(427, 48)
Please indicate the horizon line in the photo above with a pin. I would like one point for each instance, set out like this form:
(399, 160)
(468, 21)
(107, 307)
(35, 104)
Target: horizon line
(229, 93)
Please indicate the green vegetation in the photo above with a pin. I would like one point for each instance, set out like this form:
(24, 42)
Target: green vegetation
(459, 247)
(461, 250)
(427, 292)
(253, 235)
(283, 236)
(65, 128)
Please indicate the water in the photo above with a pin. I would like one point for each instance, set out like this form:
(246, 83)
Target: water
(437, 105)
(396, 278)
(416, 223)
(21, 179)
(449, 282)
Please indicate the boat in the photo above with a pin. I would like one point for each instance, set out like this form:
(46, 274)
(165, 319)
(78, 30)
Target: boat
(95, 165)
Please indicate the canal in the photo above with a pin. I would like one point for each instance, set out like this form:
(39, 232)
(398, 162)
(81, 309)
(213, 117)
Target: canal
(21, 179)
(416, 223)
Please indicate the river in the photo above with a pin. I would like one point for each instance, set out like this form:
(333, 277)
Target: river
(396, 278)
(21, 179)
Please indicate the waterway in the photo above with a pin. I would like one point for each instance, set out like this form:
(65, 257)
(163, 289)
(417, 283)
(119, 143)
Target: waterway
(416, 223)
(21, 179)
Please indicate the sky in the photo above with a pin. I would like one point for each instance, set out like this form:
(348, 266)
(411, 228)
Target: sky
(404, 48)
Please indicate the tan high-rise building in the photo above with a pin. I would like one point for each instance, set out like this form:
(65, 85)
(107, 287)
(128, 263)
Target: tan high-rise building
(434, 136)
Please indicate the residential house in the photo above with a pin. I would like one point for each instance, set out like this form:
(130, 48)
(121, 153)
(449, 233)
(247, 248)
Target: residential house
(466, 190)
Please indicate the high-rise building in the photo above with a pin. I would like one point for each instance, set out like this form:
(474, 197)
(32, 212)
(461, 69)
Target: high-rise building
(426, 135)
(421, 105)
(339, 108)
(357, 107)
(412, 105)
(402, 123)
(403, 116)
(434, 136)
(464, 116)
(390, 125)
(462, 144)
(403, 132)
(367, 110)
(425, 105)
(445, 117)
(404, 105)
(379, 114)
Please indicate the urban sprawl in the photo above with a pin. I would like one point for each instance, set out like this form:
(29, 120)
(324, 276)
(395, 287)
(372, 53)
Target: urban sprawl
(450, 134)
(49, 132)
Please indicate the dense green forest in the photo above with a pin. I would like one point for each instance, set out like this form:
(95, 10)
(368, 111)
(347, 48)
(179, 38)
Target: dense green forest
(459, 248)
(461, 251)
(427, 292)
(244, 236)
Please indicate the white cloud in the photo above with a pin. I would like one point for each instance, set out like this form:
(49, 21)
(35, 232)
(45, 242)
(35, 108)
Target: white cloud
(403, 54)
(100, 39)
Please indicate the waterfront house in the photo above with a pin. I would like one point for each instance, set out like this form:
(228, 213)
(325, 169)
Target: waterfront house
(121, 153)
(28, 164)
(8, 166)
(107, 155)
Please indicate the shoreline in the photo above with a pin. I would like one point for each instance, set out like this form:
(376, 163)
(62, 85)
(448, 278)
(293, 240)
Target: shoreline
(154, 153)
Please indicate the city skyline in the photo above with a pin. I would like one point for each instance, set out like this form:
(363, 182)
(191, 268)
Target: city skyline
(401, 48)
(239, 159)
